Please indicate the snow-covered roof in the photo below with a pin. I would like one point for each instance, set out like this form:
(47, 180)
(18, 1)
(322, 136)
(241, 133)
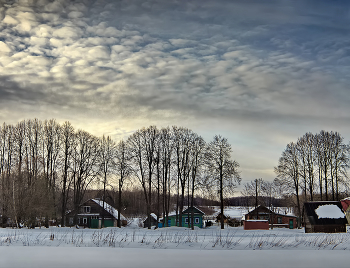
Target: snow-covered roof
(329, 211)
(109, 208)
(325, 213)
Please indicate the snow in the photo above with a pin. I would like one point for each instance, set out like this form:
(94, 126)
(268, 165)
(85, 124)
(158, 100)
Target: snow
(329, 211)
(171, 247)
(31, 257)
(109, 208)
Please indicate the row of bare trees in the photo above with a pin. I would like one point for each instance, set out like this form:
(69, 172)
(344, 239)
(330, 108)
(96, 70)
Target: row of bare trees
(315, 167)
(178, 161)
(46, 168)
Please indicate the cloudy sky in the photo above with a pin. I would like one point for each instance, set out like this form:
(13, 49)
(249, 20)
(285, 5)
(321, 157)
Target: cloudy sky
(261, 73)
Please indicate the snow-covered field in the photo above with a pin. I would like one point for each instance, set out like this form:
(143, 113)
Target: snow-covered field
(171, 247)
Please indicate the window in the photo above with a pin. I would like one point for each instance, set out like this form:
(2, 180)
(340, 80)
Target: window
(196, 220)
(279, 220)
(84, 220)
(186, 220)
(86, 209)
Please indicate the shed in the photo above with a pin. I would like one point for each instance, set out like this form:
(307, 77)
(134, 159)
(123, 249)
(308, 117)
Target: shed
(324, 217)
(153, 221)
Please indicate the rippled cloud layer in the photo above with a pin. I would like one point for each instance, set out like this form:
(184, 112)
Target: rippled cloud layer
(261, 73)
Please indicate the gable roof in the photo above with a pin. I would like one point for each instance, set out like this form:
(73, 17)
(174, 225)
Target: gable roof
(195, 210)
(325, 213)
(266, 211)
(153, 218)
(107, 207)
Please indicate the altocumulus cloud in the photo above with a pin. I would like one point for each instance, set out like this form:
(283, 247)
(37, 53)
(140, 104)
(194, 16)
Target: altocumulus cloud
(260, 72)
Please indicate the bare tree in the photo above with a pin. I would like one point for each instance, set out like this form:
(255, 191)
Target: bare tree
(143, 149)
(288, 170)
(166, 153)
(84, 165)
(182, 146)
(106, 152)
(223, 170)
(197, 161)
(51, 149)
(67, 136)
(123, 169)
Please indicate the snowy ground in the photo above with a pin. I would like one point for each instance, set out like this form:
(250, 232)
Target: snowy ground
(171, 247)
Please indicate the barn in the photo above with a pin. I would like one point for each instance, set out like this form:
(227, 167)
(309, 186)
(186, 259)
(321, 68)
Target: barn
(324, 217)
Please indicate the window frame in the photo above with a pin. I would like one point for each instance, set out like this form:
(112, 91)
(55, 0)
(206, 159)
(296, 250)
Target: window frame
(87, 209)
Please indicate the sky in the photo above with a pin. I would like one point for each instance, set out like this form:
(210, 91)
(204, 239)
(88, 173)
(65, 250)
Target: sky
(260, 73)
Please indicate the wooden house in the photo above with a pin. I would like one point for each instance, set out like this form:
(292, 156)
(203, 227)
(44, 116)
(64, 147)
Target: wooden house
(324, 217)
(186, 218)
(91, 212)
(274, 219)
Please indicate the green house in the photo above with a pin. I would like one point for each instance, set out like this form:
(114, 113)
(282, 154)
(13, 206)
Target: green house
(186, 218)
(91, 212)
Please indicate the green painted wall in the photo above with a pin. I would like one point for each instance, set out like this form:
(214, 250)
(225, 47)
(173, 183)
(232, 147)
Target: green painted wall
(109, 223)
(94, 223)
(171, 221)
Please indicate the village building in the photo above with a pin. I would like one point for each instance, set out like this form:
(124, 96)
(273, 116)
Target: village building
(92, 212)
(154, 221)
(324, 217)
(275, 220)
(186, 218)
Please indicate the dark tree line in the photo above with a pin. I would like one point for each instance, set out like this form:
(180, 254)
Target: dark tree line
(47, 168)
